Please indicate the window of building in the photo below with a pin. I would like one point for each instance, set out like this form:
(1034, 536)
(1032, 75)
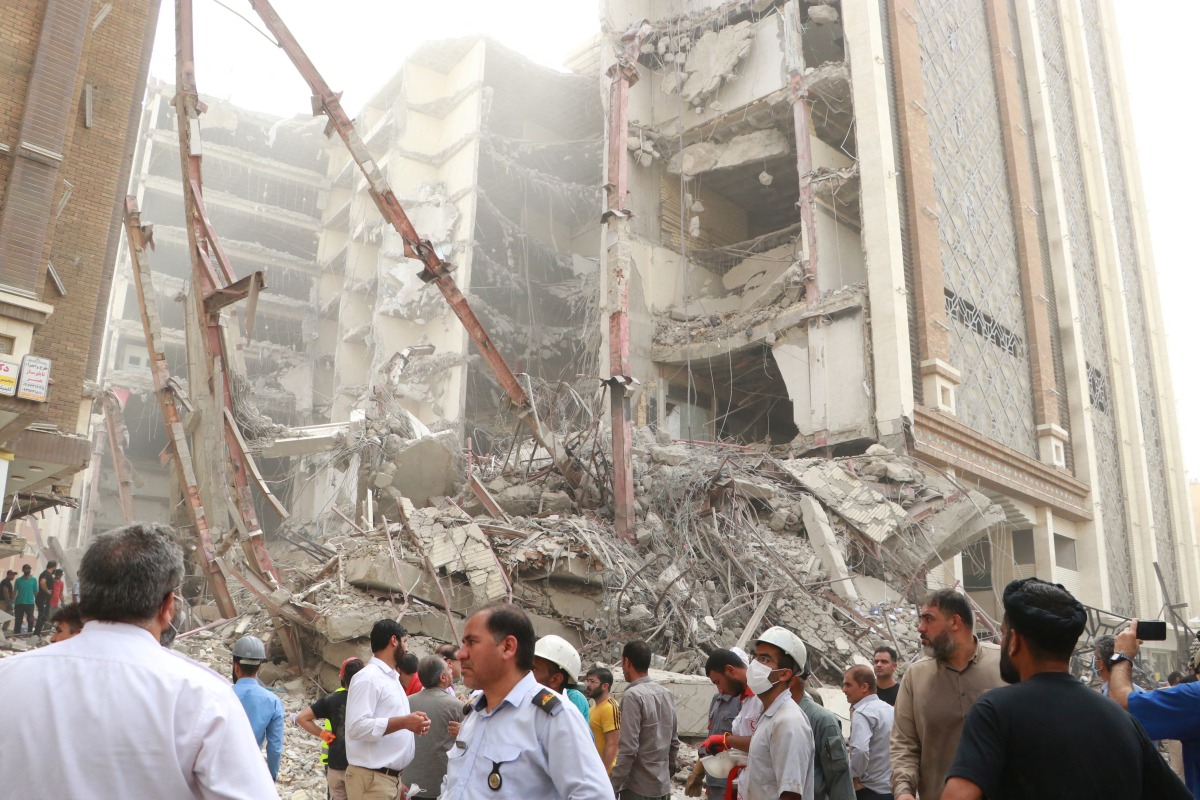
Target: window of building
(1064, 553)
(1022, 546)
(8, 345)
(977, 566)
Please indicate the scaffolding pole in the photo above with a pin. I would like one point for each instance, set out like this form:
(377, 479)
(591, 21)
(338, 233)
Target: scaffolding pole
(215, 286)
(177, 443)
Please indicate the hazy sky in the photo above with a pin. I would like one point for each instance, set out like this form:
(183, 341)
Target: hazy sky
(359, 44)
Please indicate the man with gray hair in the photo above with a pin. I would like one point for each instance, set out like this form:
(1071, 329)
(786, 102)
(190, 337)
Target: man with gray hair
(428, 766)
(139, 720)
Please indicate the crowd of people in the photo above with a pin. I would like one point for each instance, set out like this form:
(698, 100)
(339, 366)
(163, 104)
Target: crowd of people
(505, 714)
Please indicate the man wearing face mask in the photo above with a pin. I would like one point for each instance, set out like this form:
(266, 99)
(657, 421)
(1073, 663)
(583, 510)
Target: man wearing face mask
(1048, 735)
(139, 720)
(780, 766)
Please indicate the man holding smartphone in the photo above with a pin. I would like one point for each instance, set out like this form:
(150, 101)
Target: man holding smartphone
(1171, 713)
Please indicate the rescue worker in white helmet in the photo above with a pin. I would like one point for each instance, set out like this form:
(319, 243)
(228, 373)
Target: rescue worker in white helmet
(781, 750)
(557, 664)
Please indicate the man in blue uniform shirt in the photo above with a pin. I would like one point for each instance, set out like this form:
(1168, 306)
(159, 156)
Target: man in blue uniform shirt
(1171, 713)
(503, 747)
(264, 709)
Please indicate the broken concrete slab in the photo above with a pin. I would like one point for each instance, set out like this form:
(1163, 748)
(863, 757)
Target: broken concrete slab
(753, 489)
(759, 268)
(434, 625)
(712, 60)
(705, 308)
(875, 591)
(337, 652)
(371, 574)
(545, 626)
(425, 468)
(960, 523)
(522, 500)
(824, 542)
(866, 510)
(784, 288)
(355, 624)
(575, 602)
(563, 569)
(749, 148)
(671, 456)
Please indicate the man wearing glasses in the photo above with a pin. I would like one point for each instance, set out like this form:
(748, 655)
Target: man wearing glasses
(780, 766)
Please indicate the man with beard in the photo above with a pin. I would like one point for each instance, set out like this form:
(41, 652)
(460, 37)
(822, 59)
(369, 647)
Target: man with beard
(936, 694)
(1048, 735)
(605, 716)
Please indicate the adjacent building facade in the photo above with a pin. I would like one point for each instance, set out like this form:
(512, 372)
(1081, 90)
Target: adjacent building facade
(74, 74)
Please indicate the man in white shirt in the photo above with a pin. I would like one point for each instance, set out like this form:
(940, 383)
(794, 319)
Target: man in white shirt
(138, 720)
(380, 729)
(781, 762)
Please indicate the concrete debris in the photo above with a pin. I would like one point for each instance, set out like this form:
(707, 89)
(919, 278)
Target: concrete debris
(709, 63)
(823, 15)
(754, 147)
(728, 542)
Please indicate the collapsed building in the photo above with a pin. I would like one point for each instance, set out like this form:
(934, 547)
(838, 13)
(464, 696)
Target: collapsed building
(882, 338)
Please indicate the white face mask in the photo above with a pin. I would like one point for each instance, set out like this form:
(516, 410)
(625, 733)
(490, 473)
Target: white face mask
(758, 678)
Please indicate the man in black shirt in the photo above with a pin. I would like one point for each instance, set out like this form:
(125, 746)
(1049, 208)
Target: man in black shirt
(1049, 736)
(45, 590)
(332, 709)
(7, 593)
(886, 685)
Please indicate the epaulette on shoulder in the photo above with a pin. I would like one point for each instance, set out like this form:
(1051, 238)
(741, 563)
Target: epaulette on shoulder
(547, 701)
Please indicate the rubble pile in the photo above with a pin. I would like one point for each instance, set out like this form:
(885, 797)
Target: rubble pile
(729, 539)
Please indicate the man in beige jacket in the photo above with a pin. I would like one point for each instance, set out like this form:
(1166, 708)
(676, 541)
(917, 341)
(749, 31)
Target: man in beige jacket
(936, 694)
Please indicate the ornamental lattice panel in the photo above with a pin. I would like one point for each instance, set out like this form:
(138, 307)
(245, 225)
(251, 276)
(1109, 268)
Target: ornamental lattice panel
(979, 253)
(1039, 209)
(1135, 301)
(1108, 482)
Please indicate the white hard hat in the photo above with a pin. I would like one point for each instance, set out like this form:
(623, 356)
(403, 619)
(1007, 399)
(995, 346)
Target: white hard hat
(249, 650)
(719, 766)
(789, 643)
(557, 650)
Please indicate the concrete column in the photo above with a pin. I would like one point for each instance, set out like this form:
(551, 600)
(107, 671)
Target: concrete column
(938, 377)
(1176, 478)
(1052, 437)
(862, 29)
(1116, 322)
(1043, 544)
